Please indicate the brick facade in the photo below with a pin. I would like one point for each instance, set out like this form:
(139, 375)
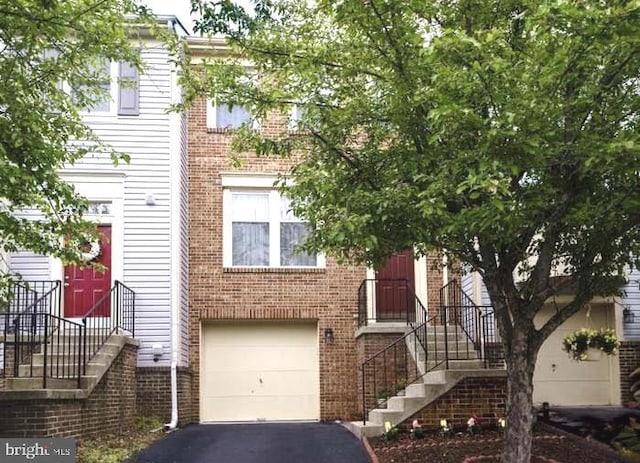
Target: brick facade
(153, 393)
(629, 358)
(328, 295)
(110, 407)
(485, 398)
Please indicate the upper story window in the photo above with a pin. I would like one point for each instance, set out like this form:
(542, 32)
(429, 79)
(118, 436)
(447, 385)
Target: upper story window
(261, 230)
(295, 118)
(121, 85)
(223, 116)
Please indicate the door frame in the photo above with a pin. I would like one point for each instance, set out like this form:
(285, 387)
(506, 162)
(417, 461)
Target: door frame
(99, 187)
(419, 285)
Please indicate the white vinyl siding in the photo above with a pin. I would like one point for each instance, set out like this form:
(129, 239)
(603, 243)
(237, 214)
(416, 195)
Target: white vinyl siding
(631, 299)
(146, 240)
(32, 267)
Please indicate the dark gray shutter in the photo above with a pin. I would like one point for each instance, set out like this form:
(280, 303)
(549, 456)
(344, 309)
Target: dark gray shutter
(128, 90)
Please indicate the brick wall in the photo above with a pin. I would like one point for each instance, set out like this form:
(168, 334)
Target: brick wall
(153, 392)
(328, 296)
(484, 397)
(629, 357)
(110, 407)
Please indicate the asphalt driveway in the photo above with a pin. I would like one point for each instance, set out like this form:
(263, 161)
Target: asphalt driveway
(257, 443)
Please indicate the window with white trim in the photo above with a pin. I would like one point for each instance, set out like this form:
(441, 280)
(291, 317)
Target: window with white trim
(295, 118)
(261, 230)
(121, 84)
(223, 116)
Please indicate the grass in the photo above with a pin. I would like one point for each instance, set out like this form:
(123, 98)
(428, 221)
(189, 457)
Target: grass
(119, 447)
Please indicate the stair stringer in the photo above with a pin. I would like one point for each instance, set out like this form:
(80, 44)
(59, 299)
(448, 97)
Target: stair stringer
(96, 369)
(417, 396)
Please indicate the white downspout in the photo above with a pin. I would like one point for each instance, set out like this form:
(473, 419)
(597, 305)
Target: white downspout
(174, 177)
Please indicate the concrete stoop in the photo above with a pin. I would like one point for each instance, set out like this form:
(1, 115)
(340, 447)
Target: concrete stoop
(418, 396)
(31, 386)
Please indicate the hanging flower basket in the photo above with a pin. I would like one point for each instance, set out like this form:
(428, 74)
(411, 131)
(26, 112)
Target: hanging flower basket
(581, 344)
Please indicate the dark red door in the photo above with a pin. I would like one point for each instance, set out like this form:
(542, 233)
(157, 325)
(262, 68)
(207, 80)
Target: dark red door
(83, 287)
(394, 301)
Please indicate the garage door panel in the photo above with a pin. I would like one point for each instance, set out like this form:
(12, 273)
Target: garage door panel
(255, 383)
(562, 381)
(255, 358)
(574, 392)
(261, 370)
(261, 408)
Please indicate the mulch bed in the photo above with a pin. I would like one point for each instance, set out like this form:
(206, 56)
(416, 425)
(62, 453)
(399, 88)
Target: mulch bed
(548, 447)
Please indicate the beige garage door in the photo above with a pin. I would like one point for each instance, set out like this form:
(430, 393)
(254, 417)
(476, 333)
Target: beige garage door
(259, 371)
(562, 381)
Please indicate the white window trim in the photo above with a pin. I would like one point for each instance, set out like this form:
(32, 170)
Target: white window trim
(256, 184)
(212, 123)
(113, 98)
(113, 94)
(294, 118)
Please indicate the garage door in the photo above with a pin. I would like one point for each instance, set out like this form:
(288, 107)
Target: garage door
(562, 381)
(259, 371)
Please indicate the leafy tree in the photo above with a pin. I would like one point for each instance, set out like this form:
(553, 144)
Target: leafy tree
(51, 55)
(504, 133)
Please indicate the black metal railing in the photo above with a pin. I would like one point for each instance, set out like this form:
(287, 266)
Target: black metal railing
(39, 342)
(113, 313)
(461, 331)
(386, 300)
(21, 296)
(46, 346)
(406, 360)
(476, 322)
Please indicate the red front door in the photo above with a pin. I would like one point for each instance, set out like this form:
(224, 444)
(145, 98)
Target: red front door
(83, 287)
(394, 301)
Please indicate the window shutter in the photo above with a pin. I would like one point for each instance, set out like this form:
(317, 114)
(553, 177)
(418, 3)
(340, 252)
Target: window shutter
(128, 90)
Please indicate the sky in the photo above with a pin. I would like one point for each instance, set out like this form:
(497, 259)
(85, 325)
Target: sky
(179, 8)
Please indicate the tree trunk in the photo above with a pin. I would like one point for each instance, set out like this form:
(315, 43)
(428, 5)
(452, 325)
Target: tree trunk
(520, 368)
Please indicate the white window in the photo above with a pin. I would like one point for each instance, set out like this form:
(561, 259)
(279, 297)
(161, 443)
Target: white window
(120, 82)
(223, 116)
(295, 118)
(260, 230)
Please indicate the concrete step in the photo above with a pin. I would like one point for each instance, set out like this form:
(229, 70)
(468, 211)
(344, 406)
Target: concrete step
(22, 384)
(95, 369)
(417, 396)
(359, 429)
(462, 364)
(64, 368)
(107, 351)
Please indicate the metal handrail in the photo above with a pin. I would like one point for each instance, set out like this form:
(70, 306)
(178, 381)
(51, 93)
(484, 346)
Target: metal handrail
(23, 296)
(395, 367)
(403, 301)
(43, 333)
(476, 322)
(112, 312)
(67, 346)
(33, 313)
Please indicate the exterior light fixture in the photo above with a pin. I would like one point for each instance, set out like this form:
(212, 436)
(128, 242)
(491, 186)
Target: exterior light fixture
(328, 336)
(628, 316)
